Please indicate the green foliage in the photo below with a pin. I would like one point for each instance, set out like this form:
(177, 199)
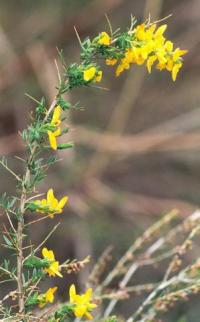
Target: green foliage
(32, 301)
(63, 103)
(41, 107)
(7, 270)
(63, 314)
(10, 240)
(36, 262)
(65, 146)
(74, 74)
(7, 202)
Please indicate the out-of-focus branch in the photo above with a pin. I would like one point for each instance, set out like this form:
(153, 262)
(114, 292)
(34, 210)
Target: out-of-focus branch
(44, 69)
(139, 143)
(117, 144)
(132, 204)
(191, 222)
(11, 67)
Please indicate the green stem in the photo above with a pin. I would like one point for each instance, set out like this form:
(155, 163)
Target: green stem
(20, 228)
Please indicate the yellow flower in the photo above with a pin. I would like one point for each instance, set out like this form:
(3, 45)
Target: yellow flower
(89, 73)
(151, 60)
(98, 77)
(52, 138)
(175, 63)
(119, 70)
(169, 46)
(150, 32)
(149, 45)
(56, 116)
(161, 55)
(140, 60)
(54, 268)
(160, 31)
(169, 64)
(175, 70)
(82, 305)
(57, 132)
(160, 66)
(111, 61)
(178, 53)
(47, 297)
(140, 32)
(51, 204)
(130, 56)
(104, 39)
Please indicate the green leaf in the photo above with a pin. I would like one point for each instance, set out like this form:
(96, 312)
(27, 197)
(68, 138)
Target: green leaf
(36, 262)
(65, 146)
(64, 313)
(32, 300)
(8, 242)
(40, 109)
(63, 104)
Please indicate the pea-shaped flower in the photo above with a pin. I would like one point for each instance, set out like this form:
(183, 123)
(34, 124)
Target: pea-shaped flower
(82, 305)
(53, 268)
(55, 122)
(50, 205)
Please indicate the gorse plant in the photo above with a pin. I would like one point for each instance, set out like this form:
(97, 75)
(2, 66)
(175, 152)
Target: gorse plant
(29, 264)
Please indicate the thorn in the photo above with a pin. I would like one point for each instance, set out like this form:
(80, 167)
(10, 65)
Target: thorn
(77, 35)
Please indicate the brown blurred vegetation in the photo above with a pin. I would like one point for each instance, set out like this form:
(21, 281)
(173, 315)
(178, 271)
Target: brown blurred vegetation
(137, 145)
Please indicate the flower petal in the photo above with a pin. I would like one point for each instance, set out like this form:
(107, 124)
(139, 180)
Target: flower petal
(50, 196)
(49, 295)
(56, 116)
(88, 294)
(72, 293)
(62, 202)
(89, 316)
(89, 73)
(80, 311)
(48, 254)
(52, 140)
(57, 132)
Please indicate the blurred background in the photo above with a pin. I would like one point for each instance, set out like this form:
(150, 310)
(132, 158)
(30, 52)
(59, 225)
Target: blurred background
(137, 145)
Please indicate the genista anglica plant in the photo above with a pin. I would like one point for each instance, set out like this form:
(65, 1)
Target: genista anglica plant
(165, 241)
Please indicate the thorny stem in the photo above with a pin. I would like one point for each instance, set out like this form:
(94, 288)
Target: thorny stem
(20, 237)
(20, 228)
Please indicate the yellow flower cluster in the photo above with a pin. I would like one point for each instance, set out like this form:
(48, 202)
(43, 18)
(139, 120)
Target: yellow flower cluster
(55, 122)
(149, 46)
(104, 39)
(47, 297)
(54, 268)
(82, 305)
(91, 73)
(51, 204)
